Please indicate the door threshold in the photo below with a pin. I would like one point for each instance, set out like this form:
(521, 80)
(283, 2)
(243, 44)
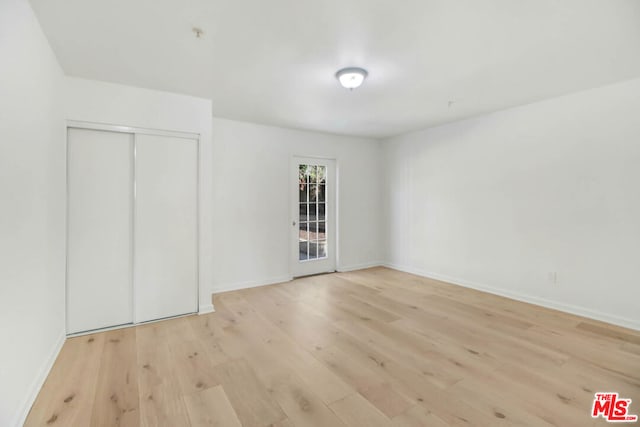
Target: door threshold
(316, 274)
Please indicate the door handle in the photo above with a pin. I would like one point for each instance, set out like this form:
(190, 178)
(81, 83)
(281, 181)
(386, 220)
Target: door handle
(294, 223)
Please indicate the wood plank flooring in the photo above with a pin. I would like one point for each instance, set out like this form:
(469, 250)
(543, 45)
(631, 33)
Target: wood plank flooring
(373, 347)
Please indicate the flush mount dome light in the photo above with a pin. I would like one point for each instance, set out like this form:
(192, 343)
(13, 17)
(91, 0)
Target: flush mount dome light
(351, 77)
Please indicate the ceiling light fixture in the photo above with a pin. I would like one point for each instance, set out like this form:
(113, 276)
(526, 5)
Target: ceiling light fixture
(198, 32)
(351, 77)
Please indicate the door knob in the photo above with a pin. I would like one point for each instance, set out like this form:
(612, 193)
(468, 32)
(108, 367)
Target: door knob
(294, 223)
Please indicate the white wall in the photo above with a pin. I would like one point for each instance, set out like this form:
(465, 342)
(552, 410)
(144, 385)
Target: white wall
(93, 101)
(501, 201)
(32, 185)
(251, 197)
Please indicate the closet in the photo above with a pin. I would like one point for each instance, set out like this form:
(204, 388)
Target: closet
(132, 226)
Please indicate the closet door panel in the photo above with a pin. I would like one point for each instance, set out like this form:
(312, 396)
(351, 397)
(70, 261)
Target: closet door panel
(100, 200)
(166, 212)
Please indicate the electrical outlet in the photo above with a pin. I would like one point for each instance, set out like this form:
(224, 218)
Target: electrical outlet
(553, 277)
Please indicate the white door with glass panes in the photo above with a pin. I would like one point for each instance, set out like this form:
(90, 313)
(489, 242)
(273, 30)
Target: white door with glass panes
(313, 186)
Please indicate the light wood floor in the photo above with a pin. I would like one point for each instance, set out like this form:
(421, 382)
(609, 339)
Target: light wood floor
(374, 347)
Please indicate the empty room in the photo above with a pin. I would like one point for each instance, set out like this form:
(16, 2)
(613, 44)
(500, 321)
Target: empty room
(333, 213)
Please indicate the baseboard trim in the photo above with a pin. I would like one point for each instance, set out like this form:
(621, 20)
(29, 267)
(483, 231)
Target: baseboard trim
(354, 267)
(207, 308)
(543, 302)
(251, 284)
(38, 382)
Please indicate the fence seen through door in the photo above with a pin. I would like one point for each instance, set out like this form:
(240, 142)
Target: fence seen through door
(312, 236)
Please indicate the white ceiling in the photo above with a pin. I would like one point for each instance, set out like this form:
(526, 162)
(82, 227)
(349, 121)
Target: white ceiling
(274, 61)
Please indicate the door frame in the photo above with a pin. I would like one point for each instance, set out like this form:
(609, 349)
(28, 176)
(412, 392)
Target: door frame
(79, 124)
(332, 216)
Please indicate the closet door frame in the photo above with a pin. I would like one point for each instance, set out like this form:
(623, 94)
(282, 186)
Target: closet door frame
(77, 124)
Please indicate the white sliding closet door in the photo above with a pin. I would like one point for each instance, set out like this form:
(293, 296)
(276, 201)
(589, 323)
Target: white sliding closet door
(100, 201)
(166, 227)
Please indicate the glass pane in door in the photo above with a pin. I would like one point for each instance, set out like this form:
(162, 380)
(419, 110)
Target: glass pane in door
(312, 213)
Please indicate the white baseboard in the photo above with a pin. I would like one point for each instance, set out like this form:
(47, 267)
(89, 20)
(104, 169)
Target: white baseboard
(250, 284)
(543, 302)
(38, 382)
(280, 279)
(346, 268)
(206, 308)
